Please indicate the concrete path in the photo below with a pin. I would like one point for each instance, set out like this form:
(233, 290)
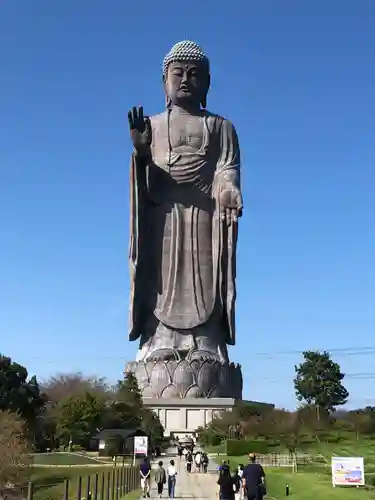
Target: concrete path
(193, 485)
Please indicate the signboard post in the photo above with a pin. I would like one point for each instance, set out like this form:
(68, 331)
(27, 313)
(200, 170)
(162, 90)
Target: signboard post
(348, 471)
(140, 446)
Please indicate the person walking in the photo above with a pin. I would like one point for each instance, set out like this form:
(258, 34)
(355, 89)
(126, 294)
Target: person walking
(172, 473)
(237, 478)
(226, 484)
(254, 479)
(160, 478)
(205, 462)
(220, 468)
(240, 474)
(189, 461)
(145, 471)
(198, 461)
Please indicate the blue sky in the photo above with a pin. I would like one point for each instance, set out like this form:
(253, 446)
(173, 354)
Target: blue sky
(296, 78)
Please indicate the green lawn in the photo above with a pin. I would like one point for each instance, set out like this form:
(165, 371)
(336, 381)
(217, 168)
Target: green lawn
(62, 458)
(310, 486)
(313, 482)
(49, 482)
(134, 495)
(219, 449)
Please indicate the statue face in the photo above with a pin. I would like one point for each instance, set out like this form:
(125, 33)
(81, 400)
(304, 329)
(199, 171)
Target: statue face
(187, 82)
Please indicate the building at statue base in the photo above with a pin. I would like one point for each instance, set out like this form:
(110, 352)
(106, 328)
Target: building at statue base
(183, 416)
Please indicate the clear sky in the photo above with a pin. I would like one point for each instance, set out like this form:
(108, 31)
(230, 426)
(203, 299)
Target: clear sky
(297, 79)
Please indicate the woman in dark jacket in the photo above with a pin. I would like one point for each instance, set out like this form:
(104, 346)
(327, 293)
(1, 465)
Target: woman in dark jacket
(226, 484)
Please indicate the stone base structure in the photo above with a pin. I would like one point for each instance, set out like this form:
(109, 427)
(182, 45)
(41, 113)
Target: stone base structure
(182, 417)
(196, 376)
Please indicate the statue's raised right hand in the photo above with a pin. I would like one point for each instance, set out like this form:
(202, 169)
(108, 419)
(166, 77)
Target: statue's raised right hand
(140, 131)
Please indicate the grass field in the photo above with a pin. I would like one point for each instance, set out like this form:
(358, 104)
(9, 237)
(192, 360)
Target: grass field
(315, 482)
(62, 458)
(49, 482)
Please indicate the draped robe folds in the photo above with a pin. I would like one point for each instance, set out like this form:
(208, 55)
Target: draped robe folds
(182, 256)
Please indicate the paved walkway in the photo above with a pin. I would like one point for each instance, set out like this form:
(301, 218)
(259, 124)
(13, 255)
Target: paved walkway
(193, 485)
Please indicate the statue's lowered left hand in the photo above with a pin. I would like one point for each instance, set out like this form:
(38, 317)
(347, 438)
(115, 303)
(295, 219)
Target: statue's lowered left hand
(231, 205)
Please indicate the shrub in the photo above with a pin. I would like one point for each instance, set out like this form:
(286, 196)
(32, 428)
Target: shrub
(77, 447)
(244, 446)
(14, 450)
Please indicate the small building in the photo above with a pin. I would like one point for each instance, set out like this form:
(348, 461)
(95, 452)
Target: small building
(111, 442)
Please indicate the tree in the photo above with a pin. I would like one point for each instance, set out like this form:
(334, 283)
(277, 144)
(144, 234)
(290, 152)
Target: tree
(14, 449)
(283, 426)
(129, 389)
(360, 421)
(318, 381)
(78, 418)
(17, 394)
(152, 425)
(57, 389)
(64, 385)
(125, 409)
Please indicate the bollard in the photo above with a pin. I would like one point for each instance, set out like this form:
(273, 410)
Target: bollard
(30, 493)
(118, 484)
(108, 490)
(126, 482)
(102, 486)
(113, 487)
(79, 488)
(88, 488)
(66, 489)
(96, 482)
(121, 478)
(287, 490)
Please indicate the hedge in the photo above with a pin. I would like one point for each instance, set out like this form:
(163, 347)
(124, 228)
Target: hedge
(242, 447)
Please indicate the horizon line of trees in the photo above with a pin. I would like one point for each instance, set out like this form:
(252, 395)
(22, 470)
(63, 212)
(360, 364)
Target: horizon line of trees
(320, 392)
(64, 412)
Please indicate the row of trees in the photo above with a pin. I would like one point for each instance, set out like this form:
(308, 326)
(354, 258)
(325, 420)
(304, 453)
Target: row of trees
(64, 412)
(320, 392)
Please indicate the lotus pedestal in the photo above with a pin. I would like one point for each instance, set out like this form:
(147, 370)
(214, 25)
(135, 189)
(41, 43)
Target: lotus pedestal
(187, 393)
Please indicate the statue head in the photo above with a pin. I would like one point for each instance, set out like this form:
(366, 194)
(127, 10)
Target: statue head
(186, 75)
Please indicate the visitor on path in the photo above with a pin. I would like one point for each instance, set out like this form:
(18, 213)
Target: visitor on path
(160, 478)
(226, 484)
(205, 462)
(145, 471)
(185, 452)
(172, 473)
(237, 478)
(198, 461)
(220, 468)
(240, 473)
(254, 479)
(189, 461)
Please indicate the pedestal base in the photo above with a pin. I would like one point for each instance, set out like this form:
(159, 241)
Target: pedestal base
(192, 377)
(183, 416)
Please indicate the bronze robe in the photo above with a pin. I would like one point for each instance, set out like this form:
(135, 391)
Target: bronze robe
(182, 256)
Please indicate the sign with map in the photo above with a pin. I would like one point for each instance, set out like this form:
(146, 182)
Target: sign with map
(348, 471)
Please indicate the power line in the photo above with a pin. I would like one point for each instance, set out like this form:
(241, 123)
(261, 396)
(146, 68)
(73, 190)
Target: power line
(345, 351)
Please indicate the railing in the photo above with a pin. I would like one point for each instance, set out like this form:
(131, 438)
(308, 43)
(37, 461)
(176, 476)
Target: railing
(293, 460)
(111, 485)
